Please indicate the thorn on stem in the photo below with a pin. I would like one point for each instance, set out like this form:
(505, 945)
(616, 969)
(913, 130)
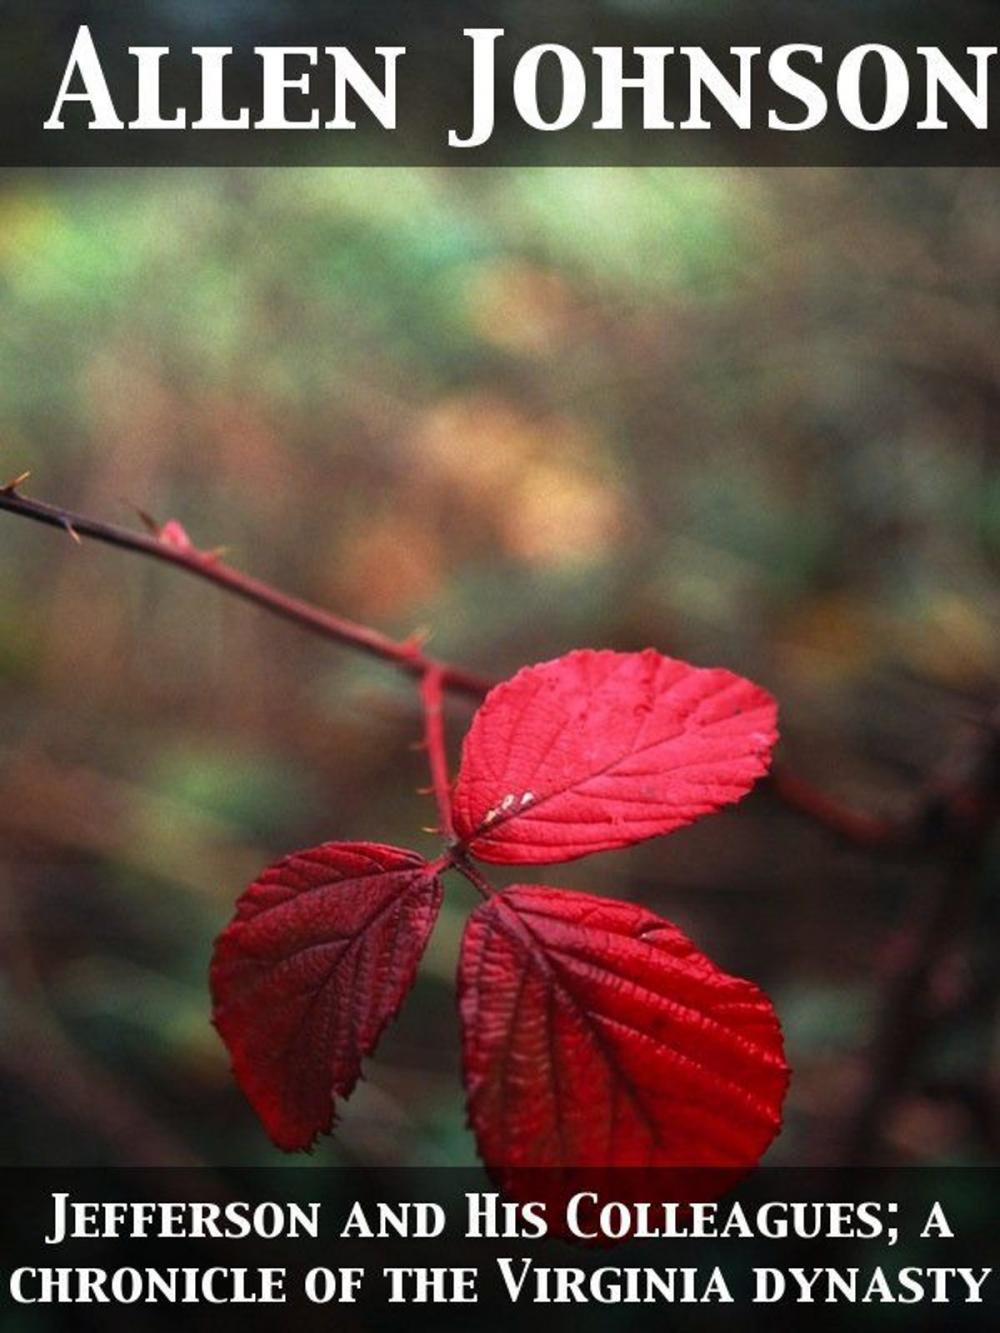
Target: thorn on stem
(147, 521)
(418, 639)
(72, 531)
(10, 487)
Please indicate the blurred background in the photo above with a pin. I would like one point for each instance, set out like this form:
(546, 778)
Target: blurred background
(745, 417)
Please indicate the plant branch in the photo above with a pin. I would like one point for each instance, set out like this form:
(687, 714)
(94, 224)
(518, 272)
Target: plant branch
(431, 696)
(955, 826)
(170, 545)
(857, 827)
(174, 549)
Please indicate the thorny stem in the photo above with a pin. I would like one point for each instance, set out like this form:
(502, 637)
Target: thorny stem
(431, 697)
(860, 829)
(406, 654)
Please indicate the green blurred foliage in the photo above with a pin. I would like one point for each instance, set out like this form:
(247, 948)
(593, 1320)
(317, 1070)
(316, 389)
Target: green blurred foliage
(747, 417)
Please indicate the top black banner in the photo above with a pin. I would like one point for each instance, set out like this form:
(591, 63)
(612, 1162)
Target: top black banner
(482, 82)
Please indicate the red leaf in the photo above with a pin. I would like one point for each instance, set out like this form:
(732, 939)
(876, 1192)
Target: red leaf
(595, 1035)
(601, 749)
(317, 960)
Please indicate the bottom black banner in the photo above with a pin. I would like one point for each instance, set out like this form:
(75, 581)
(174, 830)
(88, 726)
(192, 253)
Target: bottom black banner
(911, 1248)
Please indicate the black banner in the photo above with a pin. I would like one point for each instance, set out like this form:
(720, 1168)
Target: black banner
(784, 82)
(443, 1249)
